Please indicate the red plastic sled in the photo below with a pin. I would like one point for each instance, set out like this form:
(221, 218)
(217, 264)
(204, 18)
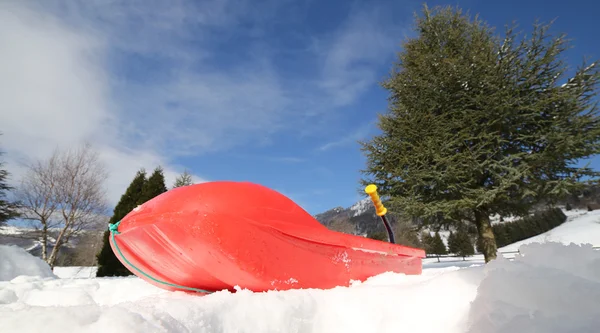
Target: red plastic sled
(218, 235)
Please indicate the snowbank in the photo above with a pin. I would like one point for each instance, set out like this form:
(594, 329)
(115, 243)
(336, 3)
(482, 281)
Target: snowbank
(15, 261)
(549, 288)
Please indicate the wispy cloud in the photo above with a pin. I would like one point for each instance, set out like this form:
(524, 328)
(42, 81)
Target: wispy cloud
(55, 92)
(148, 81)
(351, 138)
(353, 54)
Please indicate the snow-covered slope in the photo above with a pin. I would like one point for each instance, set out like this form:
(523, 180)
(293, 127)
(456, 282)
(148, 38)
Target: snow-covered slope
(581, 227)
(550, 287)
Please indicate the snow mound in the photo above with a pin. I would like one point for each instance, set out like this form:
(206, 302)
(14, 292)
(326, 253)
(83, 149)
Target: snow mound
(15, 262)
(549, 287)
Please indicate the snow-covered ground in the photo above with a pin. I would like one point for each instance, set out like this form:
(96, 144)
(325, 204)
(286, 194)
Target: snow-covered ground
(549, 287)
(75, 272)
(581, 227)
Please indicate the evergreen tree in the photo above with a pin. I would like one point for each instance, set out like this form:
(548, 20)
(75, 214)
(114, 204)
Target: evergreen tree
(426, 240)
(452, 244)
(8, 209)
(463, 245)
(433, 244)
(481, 125)
(438, 247)
(153, 187)
(184, 179)
(108, 264)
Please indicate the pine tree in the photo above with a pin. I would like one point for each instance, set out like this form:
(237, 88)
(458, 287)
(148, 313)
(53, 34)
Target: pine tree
(153, 187)
(462, 245)
(481, 125)
(108, 263)
(8, 209)
(426, 241)
(434, 244)
(184, 179)
(438, 246)
(452, 244)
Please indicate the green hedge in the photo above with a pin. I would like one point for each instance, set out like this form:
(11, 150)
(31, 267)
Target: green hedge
(510, 232)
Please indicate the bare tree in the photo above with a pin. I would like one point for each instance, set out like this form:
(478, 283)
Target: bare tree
(63, 195)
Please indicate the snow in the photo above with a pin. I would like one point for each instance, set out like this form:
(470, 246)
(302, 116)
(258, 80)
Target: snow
(552, 287)
(548, 287)
(75, 272)
(15, 262)
(10, 230)
(361, 206)
(581, 227)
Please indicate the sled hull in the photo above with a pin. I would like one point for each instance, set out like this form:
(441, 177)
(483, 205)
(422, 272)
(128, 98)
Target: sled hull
(222, 235)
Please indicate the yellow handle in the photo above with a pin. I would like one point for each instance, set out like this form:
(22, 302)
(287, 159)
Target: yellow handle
(372, 191)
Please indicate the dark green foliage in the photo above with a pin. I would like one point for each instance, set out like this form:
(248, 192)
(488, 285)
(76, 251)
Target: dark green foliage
(509, 232)
(426, 240)
(438, 246)
(433, 245)
(502, 235)
(460, 243)
(8, 209)
(108, 264)
(481, 125)
(139, 191)
(452, 244)
(154, 186)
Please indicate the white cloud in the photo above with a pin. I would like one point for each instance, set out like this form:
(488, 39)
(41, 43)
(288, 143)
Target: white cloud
(204, 112)
(66, 76)
(51, 89)
(351, 57)
(351, 138)
(182, 104)
(54, 92)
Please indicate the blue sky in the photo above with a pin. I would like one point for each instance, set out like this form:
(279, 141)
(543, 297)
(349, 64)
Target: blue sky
(273, 92)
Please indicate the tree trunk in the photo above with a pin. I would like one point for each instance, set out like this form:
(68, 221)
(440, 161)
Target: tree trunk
(486, 235)
(45, 241)
(56, 249)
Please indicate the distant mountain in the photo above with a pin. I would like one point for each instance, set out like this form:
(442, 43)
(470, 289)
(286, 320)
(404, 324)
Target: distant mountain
(361, 216)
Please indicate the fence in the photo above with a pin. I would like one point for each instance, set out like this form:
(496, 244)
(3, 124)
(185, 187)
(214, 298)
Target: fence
(503, 253)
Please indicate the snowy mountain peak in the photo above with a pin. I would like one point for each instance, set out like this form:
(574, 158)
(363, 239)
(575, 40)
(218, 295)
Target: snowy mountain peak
(361, 207)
